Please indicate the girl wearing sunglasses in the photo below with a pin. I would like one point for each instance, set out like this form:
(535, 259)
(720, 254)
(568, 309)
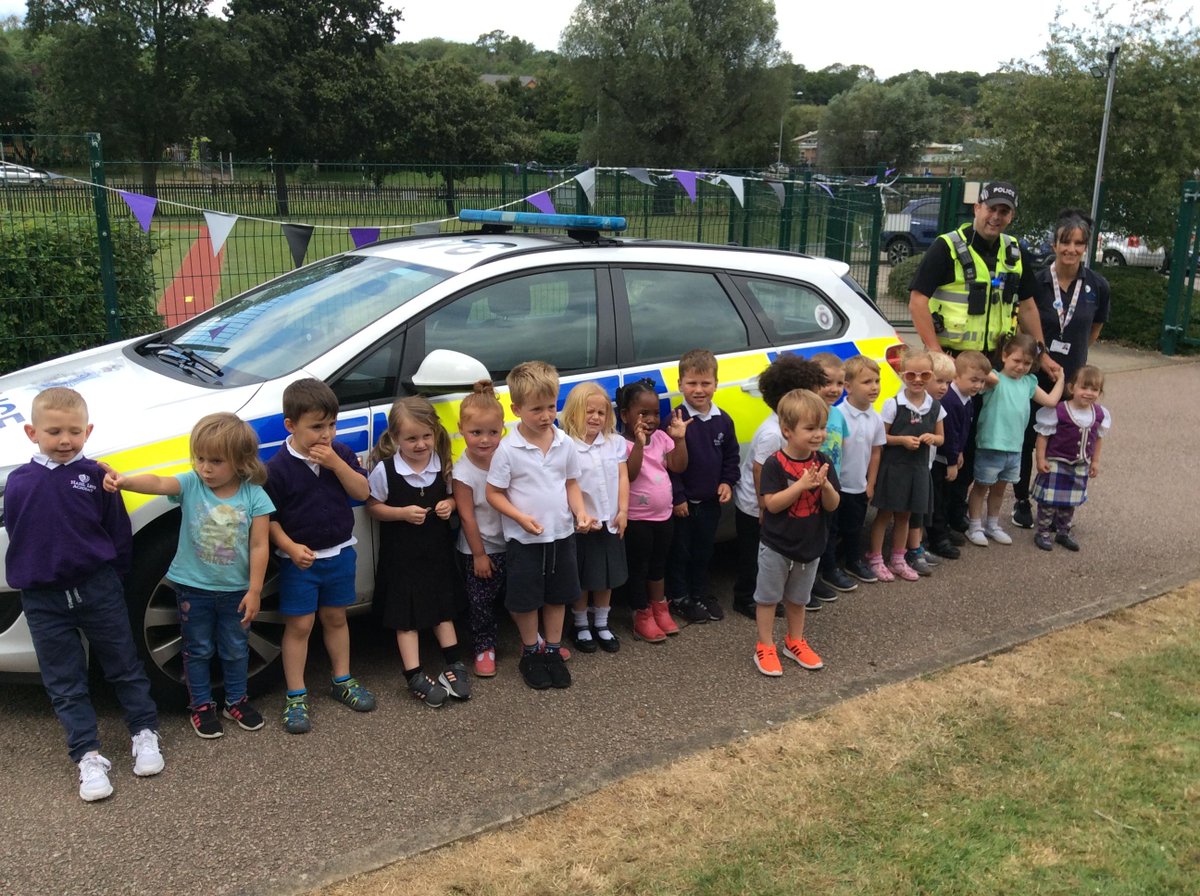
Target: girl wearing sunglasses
(912, 421)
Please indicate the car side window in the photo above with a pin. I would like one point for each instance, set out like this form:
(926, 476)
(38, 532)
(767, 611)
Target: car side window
(673, 311)
(372, 378)
(550, 315)
(796, 312)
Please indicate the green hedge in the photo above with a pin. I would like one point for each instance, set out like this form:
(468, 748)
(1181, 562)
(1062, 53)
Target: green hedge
(1139, 298)
(901, 275)
(51, 300)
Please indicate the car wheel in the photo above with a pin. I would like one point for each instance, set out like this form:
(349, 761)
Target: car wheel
(154, 618)
(1112, 256)
(898, 250)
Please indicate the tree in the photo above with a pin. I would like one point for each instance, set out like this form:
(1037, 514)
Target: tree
(1046, 119)
(16, 82)
(117, 67)
(819, 87)
(678, 82)
(873, 124)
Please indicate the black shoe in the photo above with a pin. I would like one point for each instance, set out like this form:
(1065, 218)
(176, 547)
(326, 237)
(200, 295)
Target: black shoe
(534, 671)
(1043, 541)
(556, 669)
(611, 644)
(247, 717)
(1022, 515)
(838, 580)
(1065, 539)
(962, 524)
(862, 572)
(747, 608)
(584, 644)
(821, 591)
(813, 605)
(206, 722)
(713, 607)
(956, 538)
(945, 549)
(690, 610)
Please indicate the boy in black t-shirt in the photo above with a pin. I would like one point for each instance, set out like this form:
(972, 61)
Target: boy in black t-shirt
(800, 490)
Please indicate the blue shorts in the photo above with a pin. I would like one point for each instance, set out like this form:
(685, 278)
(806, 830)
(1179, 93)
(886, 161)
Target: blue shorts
(997, 466)
(329, 582)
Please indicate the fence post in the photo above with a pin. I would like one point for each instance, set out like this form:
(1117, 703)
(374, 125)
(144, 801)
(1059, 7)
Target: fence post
(804, 198)
(785, 216)
(108, 280)
(1172, 325)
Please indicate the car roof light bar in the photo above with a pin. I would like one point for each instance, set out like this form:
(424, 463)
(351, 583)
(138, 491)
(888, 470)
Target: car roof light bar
(538, 219)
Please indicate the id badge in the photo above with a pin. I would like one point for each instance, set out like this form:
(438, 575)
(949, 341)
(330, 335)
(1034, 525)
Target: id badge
(1058, 347)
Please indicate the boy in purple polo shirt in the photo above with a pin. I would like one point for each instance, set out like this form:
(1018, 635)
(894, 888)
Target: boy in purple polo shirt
(949, 502)
(701, 489)
(69, 544)
(311, 480)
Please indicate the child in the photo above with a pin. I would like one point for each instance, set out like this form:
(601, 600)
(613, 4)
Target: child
(69, 544)
(415, 579)
(799, 489)
(311, 480)
(218, 570)
(653, 455)
(480, 537)
(701, 489)
(1068, 454)
(832, 579)
(971, 372)
(533, 483)
(785, 373)
(912, 421)
(1000, 433)
(604, 481)
(860, 462)
(916, 556)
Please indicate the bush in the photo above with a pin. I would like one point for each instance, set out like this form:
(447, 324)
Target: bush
(901, 275)
(51, 298)
(1139, 298)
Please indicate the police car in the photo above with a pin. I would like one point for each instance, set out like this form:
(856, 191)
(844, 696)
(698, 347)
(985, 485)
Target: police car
(427, 314)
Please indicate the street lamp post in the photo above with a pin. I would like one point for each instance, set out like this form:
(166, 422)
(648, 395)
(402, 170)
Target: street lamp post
(782, 117)
(1112, 78)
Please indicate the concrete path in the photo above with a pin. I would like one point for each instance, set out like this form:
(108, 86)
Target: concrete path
(268, 813)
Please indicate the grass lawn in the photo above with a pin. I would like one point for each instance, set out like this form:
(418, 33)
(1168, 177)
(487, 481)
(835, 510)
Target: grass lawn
(1068, 765)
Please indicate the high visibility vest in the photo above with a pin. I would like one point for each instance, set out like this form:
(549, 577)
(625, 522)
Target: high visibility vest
(979, 307)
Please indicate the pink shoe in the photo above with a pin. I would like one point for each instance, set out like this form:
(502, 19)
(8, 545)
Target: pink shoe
(901, 568)
(485, 664)
(875, 562)
(662, 617)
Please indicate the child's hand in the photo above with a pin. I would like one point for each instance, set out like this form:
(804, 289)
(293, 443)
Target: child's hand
(926, 438)
(585, 523)
(1094, 469)
(483, 567)
(323, 456)
(249, 607)
(681, 509)
(302, 556)
(621, 521)
(813, 477)
(641, 432)
(1043, 466)
(112, 479)
(912, 443)
(724, 493)
(529, 524)
(951, 472)
(413, 513)
(677, 426)
(444, 508)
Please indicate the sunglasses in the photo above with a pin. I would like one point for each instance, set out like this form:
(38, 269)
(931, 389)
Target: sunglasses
(915, 376)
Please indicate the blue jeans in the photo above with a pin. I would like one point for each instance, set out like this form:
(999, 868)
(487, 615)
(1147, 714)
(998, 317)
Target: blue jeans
(212, 624)
(97, 609)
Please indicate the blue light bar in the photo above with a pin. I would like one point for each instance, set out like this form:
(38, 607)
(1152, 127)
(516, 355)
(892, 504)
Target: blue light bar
(537, 219)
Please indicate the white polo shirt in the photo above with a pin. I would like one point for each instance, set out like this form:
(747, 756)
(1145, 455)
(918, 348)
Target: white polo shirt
(600, 475)
(536, 484)
(866, 432)
(487, 517)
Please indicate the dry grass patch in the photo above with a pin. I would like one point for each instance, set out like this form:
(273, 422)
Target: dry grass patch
(957, 782)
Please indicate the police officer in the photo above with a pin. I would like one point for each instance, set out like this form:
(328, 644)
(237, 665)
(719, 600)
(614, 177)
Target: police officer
(975, 285)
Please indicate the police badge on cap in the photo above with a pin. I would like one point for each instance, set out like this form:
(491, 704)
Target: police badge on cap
(999, 192)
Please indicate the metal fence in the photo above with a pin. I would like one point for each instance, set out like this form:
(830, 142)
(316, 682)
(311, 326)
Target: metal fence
(281, 214)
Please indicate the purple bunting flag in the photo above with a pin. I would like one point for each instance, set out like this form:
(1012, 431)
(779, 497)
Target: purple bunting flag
(141, 206)
(363, 235)
(688, 180)
(542, 202)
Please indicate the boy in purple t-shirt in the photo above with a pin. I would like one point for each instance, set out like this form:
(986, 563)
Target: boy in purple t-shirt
(311, 480)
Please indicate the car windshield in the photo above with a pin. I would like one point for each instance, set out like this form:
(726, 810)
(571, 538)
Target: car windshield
(283, 325)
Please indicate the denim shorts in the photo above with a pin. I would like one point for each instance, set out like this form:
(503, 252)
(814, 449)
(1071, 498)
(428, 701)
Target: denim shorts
(329, 582)
(997, 466)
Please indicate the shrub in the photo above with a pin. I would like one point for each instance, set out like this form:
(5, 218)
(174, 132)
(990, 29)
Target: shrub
(51, 298)
(1139, 298)
(901, 275)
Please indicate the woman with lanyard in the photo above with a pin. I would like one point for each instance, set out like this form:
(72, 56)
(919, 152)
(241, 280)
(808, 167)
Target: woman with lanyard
(1072, 301)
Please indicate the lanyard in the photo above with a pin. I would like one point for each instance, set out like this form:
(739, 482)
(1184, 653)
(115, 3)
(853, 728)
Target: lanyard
(1064, 317)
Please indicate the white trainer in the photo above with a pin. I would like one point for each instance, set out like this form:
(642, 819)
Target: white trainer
(976, 536)
(147, 758)
(93, 777)
(998, 535)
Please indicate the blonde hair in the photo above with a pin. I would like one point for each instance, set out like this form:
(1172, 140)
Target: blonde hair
(856, 365)
(574, 412)
(419, 411)
(58, 398)
(827, 360)
(910, 356)
(799, 406)
(972, 360)
(231, 438)
(482, 400)
(944, 367)
(698, 360)
(532, 379)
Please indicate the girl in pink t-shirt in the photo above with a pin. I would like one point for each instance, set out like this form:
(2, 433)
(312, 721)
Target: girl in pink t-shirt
(652, 455)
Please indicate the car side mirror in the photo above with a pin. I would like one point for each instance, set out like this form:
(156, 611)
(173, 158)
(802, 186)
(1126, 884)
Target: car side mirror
(444, 370)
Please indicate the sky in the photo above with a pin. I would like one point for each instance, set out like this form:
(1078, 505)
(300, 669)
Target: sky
(862, 32)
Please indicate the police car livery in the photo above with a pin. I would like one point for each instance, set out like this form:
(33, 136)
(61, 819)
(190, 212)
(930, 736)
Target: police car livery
(427, 314)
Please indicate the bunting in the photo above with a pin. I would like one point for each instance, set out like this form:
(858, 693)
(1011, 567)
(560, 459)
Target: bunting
(587, 180)
(641, 175)
(362, 236)
(688, 180)
(737, 184)
(542, 202)
(219, 227)
(141, 206)
(298, 237)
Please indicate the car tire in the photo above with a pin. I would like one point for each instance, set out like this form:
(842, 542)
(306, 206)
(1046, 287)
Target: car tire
(154, 618)
(1113, 257)
(898, 250)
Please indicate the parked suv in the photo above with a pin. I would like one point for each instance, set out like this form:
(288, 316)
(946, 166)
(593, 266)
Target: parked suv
(912, 230)
(425, 314)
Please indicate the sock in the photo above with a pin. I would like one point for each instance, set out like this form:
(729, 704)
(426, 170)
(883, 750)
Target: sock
(552, 648)
(876, 555)
(410, 673)
(974, 524)
(898, 557)
(342, 679)
(601, 617)
(303, 692)
(581, 618)
(993, 522)
(451, 654)
(530, 649)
